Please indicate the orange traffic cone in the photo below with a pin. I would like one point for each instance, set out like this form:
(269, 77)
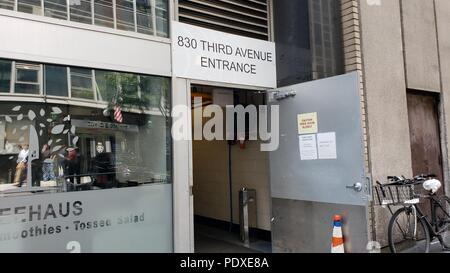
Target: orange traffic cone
(337, 245)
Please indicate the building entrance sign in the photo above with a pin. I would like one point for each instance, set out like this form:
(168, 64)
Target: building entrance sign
(209, 55)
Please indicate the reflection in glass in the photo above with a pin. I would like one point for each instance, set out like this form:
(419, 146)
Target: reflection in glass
(125, 14)
(5, 76)
(162, 15)
(129, 88)
(106, 85)
(326, 38)
(56, 80)
(81, 11)
(30, 6)
(55, 9)
(153, 91)
(144, 16)
(88, 151)
(103, 13)
(81, 83)
(27, 79)
(7, 4)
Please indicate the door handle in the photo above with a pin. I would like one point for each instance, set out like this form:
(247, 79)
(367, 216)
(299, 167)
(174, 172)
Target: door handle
(356, 187)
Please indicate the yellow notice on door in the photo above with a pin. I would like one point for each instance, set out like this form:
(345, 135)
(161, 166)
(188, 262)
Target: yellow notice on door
(307, 123)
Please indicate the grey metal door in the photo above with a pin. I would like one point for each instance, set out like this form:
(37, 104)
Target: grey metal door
(318, 169)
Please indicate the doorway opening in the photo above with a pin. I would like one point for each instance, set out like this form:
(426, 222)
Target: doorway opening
(221, 169)
(425, 135)
(423, 114)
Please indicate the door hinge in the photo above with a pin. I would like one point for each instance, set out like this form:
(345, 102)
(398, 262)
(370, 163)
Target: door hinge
(281, 95)
(368, 186)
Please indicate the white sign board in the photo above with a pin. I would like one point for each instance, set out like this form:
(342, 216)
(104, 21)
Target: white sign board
(209, 55)
(308, 147)
(327, 145)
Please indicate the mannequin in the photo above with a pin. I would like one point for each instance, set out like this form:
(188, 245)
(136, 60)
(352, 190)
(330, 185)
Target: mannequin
(71, 162)
(21, 167)
(102, 166)
(48, 172)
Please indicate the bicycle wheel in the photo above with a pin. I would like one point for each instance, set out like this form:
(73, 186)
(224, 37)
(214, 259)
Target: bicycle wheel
(407, 233)
(443, 222)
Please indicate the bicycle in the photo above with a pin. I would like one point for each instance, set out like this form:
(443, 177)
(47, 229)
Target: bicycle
(410, 229)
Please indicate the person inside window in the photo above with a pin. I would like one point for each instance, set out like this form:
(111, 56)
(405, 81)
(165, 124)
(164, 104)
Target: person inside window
(21, 167)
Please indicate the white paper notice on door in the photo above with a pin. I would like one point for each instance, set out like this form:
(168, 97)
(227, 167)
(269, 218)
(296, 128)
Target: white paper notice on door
(308, 147)
(326, 144)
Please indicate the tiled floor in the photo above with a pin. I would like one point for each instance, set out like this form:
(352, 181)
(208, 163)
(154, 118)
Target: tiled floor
(214, 240)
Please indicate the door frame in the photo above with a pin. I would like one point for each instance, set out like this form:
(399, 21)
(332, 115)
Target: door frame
(183, 199)
(443, 139)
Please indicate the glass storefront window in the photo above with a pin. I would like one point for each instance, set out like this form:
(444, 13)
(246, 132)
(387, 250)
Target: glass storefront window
(27, 78)
(30, 6)
(144, 16)
(106, 85)
(55, 9)
(153, 91)
(103, 13)
(72, 148)
(81, 83)
(7, 4)
(81, 11)
(125, 14)
(56, 81)
(85, 148)
(52, 150)
(162, 15)
(5, 76)
(129, 91)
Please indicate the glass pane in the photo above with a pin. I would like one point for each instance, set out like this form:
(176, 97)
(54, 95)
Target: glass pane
(87, 151)
(325, 22)
(125, 14)
(80, 11)
(56, 81)
(7, 4)
(106, 85)
(81, 80)
(154, 91)
(25, 88)
(144, 16)
(162, 15)
(27, 75)
(129, 89)
(103, 13)
(30, 6)
(5, 76)
(27, 79)
(55, 9)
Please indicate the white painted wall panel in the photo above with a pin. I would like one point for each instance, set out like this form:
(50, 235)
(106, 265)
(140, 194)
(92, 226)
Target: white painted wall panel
(41, 41)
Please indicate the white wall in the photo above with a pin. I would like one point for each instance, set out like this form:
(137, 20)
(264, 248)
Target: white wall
(47, 40)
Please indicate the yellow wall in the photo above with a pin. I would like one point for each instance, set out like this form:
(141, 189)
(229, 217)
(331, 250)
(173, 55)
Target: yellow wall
(211, 187)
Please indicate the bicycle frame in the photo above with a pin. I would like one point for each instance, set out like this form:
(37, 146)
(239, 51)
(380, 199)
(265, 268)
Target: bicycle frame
(435, 204)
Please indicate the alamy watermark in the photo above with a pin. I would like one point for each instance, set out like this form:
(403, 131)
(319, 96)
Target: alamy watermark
(233, 123)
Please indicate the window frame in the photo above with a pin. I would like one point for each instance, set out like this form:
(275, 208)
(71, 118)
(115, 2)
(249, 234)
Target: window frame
(92, 78)
(44, 92)
(38, 69)
(154, 33)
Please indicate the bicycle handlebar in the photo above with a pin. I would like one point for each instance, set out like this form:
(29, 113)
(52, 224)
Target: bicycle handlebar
(401, 180)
